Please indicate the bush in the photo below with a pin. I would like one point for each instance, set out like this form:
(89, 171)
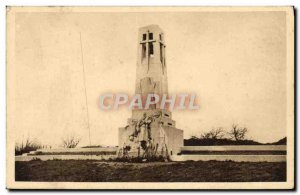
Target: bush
(27, 146)
(70, 141)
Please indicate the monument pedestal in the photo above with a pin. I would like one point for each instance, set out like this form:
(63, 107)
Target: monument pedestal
(154, 135)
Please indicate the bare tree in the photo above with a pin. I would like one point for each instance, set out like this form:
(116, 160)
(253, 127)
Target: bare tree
(206, 135)
(70, 141)
(217, 133)
(237, 133)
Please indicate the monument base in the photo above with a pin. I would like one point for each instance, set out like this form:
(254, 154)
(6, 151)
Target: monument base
(156, 141)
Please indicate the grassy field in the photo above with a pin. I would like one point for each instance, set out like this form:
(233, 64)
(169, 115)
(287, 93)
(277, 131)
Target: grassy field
(96, 171)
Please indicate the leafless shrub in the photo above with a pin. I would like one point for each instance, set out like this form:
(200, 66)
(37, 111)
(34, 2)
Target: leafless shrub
(70, 141)
(237, 133)
(27, 146)
(217, 133)
(206, 135)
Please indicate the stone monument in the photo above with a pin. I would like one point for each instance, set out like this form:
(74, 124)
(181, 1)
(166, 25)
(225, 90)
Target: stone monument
(151, 132)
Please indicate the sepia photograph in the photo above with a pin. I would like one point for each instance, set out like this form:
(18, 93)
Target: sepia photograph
(150, 97)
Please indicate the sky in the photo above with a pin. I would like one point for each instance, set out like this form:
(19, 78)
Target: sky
(235, 62)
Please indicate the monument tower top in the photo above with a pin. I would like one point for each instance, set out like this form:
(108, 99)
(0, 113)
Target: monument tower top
(151, 73)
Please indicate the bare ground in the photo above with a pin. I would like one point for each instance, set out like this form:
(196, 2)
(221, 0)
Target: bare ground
(201, 171)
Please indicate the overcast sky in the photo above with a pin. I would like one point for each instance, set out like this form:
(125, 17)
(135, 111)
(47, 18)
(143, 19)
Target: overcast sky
(234, 61)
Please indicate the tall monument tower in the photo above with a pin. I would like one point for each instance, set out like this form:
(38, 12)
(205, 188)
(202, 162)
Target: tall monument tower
(150, 132)
(151, 71)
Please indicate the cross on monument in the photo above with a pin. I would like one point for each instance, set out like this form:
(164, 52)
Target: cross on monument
(147, 42)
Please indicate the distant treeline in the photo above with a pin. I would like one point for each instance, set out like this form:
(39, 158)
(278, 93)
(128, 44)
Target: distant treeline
(194, 141)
